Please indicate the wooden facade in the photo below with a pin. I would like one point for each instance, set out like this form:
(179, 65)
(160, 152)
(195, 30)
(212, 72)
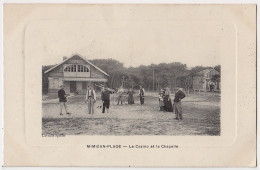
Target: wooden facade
(200, 81)
(75, 73)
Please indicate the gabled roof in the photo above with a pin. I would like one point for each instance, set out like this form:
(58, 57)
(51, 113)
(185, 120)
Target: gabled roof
(79, 57)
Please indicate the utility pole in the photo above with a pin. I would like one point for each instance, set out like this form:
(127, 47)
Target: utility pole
(153, 77)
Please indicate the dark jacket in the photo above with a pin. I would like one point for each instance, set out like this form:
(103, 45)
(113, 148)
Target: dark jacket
(105, 95)
(62, 97)
(141, 92)
(179, 95)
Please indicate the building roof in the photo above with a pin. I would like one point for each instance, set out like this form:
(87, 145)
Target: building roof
(199, 73)
(84, 79)
(202, 72)
(82, 59)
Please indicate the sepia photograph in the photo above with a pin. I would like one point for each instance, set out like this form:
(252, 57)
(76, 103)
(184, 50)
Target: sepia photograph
(130, 79)
(154, 85)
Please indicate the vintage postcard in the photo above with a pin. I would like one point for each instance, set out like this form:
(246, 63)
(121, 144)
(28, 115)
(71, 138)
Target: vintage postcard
(130, 85)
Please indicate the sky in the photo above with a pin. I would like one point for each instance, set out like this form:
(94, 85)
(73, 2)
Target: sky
(131, 38)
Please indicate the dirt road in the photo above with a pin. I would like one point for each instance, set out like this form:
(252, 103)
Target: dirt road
(201, 117)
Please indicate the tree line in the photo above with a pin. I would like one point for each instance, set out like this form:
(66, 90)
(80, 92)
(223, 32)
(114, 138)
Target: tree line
(153, 76)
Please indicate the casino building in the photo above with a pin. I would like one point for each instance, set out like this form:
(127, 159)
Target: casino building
(76, 73)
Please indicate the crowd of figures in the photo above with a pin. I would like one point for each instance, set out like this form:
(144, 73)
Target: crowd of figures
(122, 96)
(166, 104)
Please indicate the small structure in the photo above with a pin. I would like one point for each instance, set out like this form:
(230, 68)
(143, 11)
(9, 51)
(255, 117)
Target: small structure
(200, 81)
(203, 79)
(76, 73)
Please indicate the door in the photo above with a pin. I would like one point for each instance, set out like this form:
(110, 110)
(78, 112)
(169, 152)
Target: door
(73, 87)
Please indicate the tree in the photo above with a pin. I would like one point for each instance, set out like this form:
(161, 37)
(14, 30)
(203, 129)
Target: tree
(114, 68)
(218, 68)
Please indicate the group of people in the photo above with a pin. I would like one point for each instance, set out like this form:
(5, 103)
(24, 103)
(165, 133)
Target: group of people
(128, 95)
(91, 99)
(105, 97)
(124, 96)
(165, 102)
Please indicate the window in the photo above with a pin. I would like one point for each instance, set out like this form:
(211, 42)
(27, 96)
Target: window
(74, 68)
(82, 68)
(67, 69)
(55, 83)
(86, 69)
(71, 68)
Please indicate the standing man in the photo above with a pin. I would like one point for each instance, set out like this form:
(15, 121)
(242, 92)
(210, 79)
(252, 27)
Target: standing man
(63, 100)
(120, 95)
(141, 94)
(91, 99)
(113, 96)
(179, 95)
(105, 97)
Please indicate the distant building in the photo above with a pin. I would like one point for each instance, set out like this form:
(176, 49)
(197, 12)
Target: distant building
(202, 79)
(76, 73)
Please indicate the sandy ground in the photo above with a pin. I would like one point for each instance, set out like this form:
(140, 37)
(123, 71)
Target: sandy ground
(201, 117)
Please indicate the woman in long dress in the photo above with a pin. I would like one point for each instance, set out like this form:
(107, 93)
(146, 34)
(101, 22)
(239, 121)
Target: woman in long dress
(167, 101)
(130, 96)
(161, 100)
